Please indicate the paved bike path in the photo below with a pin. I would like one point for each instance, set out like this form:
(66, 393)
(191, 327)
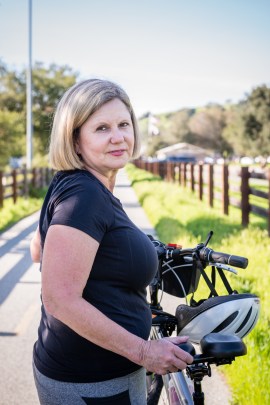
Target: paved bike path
(20, 302)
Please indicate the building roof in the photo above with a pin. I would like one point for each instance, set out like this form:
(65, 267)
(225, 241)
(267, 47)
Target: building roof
(182, 149)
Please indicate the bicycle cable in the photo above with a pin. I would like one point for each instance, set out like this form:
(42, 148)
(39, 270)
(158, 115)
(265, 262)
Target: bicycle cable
(172, 269)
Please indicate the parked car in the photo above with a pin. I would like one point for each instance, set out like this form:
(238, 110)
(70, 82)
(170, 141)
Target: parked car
(181, 159)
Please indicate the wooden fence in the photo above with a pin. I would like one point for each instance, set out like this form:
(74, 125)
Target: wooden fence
(232, 185)
(18, 182)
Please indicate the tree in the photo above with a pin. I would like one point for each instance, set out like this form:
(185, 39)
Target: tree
(11, 141)
(180, 127)
(256, 120)
(240, 129)
(233, 132)
(12, 86)
(248, 124)
(49, 84)
(207, 125)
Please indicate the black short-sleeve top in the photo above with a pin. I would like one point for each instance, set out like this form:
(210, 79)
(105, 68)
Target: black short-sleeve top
(125, 263)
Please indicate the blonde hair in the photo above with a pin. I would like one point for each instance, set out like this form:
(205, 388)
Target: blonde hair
(77, 104)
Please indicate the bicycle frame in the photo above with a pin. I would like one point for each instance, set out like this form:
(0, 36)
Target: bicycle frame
(179, 380)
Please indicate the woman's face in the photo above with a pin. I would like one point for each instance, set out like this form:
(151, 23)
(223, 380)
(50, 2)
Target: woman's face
(106, 139)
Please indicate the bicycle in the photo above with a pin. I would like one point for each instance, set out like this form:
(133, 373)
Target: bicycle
(216, 324)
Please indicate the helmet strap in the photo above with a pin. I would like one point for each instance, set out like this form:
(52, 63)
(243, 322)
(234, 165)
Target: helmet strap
(210, 284)
(225, 281)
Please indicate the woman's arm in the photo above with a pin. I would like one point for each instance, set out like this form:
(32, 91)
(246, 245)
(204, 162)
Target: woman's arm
(68, 257)
(35, 248)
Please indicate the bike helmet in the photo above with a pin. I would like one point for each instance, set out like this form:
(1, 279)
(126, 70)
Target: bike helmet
(231, 314)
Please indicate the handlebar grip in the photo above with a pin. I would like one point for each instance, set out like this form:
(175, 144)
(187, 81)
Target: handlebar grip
(219, 257)
(238, 261)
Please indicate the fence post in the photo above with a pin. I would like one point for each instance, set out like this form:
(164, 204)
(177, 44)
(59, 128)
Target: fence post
(44, 183)
(174, 172)
(1, 190)
(47, 176)
(14, 185)
(225, 189)
(25, 182)
(185, 174)
(155, 168)
(211, 185)
(168, 171)
(180, 174)
(192, 180)
(245, 208)
(40, 175)
(34, 175)
(200, 181)
(159, 169)
(162, 169)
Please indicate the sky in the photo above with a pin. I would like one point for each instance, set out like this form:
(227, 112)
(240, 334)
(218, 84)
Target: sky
(167, 54)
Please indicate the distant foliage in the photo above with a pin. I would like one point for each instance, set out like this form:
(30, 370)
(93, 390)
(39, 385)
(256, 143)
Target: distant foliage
(233, 129)
(49, 83)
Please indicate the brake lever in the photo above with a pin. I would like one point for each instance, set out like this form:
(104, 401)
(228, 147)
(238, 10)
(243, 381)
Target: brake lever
(224, 267)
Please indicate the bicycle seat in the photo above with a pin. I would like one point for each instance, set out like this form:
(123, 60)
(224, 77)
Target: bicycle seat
(187, 347)
(222, 346)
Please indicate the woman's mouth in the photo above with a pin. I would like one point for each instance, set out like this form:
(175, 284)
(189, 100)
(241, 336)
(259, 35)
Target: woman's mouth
(118, 152)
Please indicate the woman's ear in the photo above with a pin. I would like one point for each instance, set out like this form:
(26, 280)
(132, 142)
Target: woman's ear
(76, 141)
(77, 148)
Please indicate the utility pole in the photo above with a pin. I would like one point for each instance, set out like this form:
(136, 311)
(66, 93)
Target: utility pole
(29, 91)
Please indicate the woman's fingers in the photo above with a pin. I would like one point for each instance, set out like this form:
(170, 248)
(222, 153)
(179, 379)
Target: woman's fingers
(163, 356)
(177, 339)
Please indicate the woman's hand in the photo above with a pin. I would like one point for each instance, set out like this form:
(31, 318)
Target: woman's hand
(163, 356)
(35, 249)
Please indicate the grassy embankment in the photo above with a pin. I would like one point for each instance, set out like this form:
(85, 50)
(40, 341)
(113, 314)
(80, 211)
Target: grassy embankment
(180, 217)
(12, 213)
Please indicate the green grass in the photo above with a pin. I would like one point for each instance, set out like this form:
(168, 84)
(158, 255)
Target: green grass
(12, 213)
(178, 216)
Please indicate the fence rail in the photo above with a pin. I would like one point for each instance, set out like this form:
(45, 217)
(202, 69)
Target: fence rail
(19, 181)
(231, 185)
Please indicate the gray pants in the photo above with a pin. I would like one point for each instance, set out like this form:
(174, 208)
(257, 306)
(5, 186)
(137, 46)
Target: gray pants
(128, 390)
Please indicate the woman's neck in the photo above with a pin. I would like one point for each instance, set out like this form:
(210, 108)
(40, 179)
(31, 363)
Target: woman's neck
(107, 179)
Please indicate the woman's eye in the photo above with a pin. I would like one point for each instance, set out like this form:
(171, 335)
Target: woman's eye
(124, 124)
(102, 128)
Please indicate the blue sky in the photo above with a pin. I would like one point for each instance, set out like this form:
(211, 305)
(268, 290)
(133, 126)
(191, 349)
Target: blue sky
(166, 54)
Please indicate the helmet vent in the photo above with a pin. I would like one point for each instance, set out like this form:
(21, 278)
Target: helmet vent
(244, 321)
(225, 323)
(251, 326)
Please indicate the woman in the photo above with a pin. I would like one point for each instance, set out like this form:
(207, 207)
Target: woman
(93, 343)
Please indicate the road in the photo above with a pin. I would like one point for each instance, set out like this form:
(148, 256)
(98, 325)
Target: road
(19, 314)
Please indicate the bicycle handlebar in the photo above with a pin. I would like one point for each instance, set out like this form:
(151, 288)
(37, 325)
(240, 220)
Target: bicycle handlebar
(208, 255)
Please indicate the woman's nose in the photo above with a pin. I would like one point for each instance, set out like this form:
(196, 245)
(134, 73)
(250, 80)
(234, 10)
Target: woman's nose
(117, 136)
